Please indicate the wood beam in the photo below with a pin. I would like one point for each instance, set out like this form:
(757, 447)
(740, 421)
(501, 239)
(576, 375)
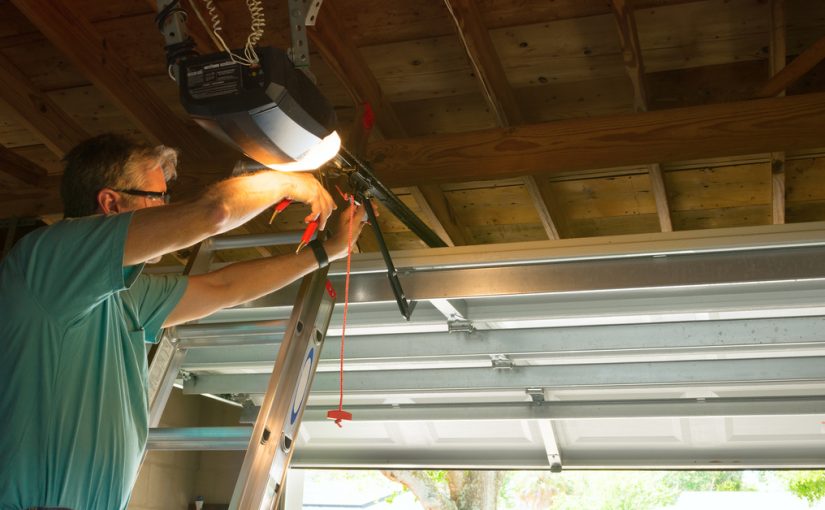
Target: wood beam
(795, 70)
(78, 40)
(495, 87)
(485, 61)
(37, 112)
(21, 169)
(778, 188)
(541, 207)
(778, 50)
(341, 54)
(32, 204)
(431, 198)
(778, 44)
(346, 61)
(679, 134)
(635, 68)
(631, 51)
(657, 186)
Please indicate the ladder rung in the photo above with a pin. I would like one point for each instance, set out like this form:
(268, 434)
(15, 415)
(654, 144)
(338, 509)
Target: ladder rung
(229, 333)
(199, 438)
(253, 240)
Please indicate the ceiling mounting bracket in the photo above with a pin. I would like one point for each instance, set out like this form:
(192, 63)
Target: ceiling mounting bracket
(301, 14)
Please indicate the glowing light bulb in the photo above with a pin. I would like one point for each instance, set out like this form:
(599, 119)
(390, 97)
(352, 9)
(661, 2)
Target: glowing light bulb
(314, 157)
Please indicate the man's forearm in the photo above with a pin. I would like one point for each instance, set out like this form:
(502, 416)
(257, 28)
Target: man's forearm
(239, 283)
(226, 205)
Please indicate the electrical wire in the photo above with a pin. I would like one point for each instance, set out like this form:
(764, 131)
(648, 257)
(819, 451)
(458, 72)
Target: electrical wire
(198, 14)
(256, 12)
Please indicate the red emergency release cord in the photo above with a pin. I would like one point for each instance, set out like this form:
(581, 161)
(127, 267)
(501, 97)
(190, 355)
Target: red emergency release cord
(339, 414)
(368, 119)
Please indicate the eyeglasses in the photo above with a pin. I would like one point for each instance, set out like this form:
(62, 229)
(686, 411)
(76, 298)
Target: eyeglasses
(165, 196)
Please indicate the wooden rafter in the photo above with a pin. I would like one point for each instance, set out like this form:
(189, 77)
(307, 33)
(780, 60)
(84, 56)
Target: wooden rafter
(634, 65)
(540, 203)
(341, 54)
(778, 188)
(494, 85)
(778, 48)
(486, 64)
(657, 186)
(30, 205)
(433, 201)
(37, 112)
(795, 70)
(21, 169)
(679, 134)
(631, 51)
(78, 40)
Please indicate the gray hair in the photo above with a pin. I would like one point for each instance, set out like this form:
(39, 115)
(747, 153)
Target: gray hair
(109, 161)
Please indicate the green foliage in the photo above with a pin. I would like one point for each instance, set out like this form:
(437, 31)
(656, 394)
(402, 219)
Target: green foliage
(808, 485)
(437, 476)
(682, 481)
(591, 490)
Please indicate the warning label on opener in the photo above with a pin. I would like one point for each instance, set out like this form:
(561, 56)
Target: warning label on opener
(213, 80)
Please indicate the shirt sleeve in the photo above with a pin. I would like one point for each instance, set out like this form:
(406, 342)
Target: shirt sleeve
(154, 297)
(75, 264)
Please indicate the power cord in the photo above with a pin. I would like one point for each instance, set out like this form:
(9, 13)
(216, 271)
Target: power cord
(256, 12)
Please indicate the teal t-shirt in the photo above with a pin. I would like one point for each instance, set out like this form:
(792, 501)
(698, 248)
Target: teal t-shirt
(73, 370)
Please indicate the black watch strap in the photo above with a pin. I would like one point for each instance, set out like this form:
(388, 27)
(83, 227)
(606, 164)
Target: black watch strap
(320, 253)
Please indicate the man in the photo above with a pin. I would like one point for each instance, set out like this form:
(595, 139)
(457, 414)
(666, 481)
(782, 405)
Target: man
(75, 312)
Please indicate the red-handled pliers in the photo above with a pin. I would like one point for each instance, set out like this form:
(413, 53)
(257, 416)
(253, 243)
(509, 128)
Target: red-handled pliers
(279, 208)
(312, 226)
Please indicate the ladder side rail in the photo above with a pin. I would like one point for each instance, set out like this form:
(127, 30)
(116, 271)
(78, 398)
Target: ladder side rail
(261, 480)
(169, 355)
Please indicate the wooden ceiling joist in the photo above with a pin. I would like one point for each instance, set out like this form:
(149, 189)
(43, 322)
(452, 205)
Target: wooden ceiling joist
(78, 40)
(795, 70)
(494, 85)
(679, 134)
(37, 112)
(21, 169)
(657, 187)
(436, 207)
(634, 65)
(631, 51)
(540, 202)
(345, 59)
(778, 50)
(39, 202)
(485, 61)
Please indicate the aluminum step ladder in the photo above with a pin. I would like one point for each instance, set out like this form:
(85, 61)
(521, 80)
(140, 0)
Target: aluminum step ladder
(261, 481)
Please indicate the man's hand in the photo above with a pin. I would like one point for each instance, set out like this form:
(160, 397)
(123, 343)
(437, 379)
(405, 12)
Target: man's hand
(336, 246)
(306, 189)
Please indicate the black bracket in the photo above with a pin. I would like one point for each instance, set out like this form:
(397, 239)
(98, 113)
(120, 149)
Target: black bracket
(368, 186)
(404, 305)
(365, 181)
